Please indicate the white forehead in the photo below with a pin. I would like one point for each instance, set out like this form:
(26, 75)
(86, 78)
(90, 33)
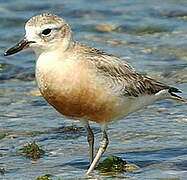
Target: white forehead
(39, 29)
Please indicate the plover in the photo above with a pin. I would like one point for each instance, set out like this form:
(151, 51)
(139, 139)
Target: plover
(85, 83)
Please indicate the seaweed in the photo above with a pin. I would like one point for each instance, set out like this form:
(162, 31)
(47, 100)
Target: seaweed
(32, 151)
(114, 164)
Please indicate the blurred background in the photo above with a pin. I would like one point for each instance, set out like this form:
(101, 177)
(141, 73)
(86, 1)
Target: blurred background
(151, 36)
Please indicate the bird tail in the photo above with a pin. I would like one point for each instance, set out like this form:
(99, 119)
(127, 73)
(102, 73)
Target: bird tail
(174, 96)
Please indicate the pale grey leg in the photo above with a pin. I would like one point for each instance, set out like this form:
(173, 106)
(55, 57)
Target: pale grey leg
(90, 139)
(103, 145)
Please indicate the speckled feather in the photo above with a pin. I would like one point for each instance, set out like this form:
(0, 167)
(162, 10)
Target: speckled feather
(119, 75)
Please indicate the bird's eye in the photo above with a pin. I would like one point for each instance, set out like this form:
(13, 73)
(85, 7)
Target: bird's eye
(46, 32)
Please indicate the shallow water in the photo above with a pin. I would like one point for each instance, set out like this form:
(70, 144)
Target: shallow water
(151, 36)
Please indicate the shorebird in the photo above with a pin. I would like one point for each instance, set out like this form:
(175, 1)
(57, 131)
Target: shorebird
(85, 83)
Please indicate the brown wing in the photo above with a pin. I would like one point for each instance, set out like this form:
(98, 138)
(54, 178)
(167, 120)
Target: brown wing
(122, 77)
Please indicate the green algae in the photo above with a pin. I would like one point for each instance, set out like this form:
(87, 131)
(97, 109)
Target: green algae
(44, 177)
(151, 30)
(115, 165)
(3, 135)
(67, 129)
(112, 164)
(3, 66)
(2, 171)
(32, 151)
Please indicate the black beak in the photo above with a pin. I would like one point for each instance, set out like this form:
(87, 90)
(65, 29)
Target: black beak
(23, 44)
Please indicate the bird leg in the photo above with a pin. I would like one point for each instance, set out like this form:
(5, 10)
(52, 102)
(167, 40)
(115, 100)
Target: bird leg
(103, 145)
(90, 139)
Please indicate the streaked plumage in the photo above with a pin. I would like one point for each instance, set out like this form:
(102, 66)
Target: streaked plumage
(85, 83)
